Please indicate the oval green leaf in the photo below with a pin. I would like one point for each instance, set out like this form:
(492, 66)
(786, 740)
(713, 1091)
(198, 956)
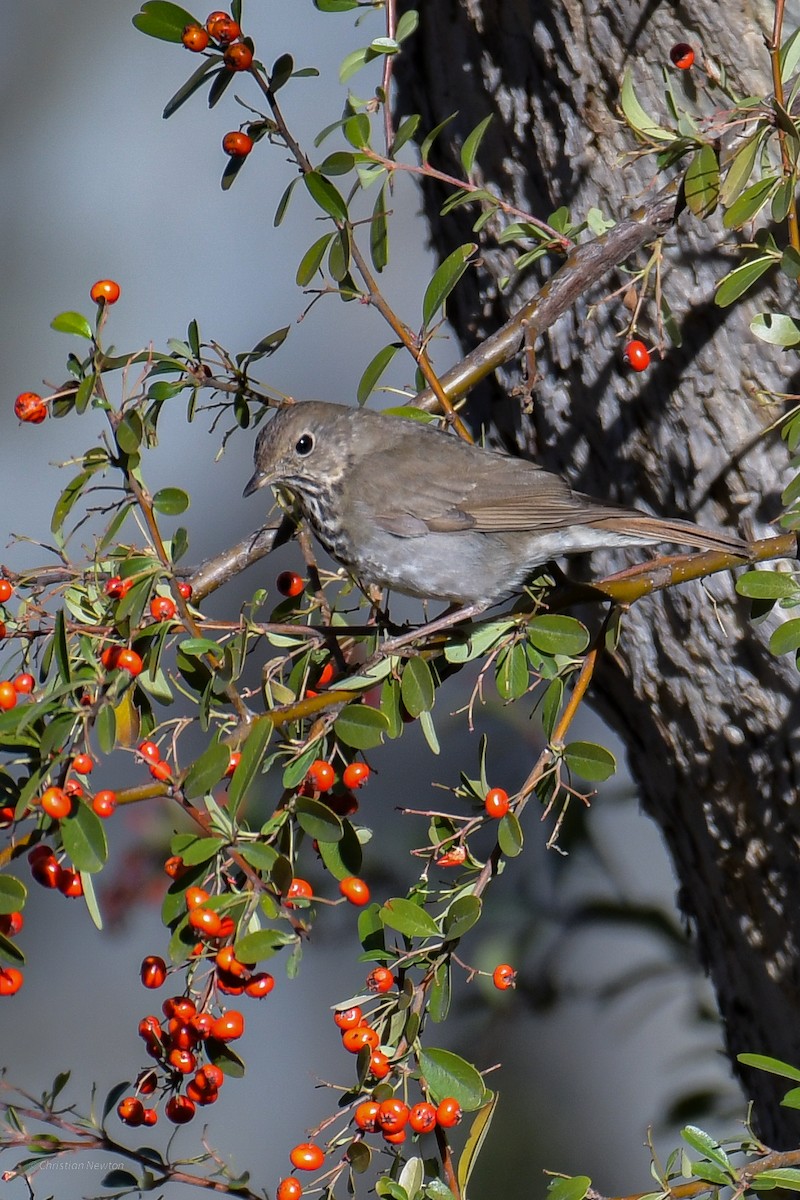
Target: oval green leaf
(84, 839)
(445, 279)
(325, 195)
(253, 750)
(786, 638)
(777, 329)
(462, 914)
(740, 279)
(767, 585)
(408, 918)
(361, 727)
(171, 501)
(12, 894)
(446, 1074)
(206, 771)
(317, 820)
(416, 687)
(590, 761)
(72, 322)
(509, 835)
(552, 634)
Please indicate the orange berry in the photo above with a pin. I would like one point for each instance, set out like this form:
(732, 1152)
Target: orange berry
(128, 660)
(496, 803)
(104, 803)
(354, 1040)
(24, 684)
(326, 674)
(6, 591)
(260, 985)
(449, 1113)
(116, 587)
(504, 977)
(348, 1018)
(354, 890)
(179, 1109)
(237, 144)
(162, 608)
(213, 1074)
(73, 788)
(110, 657)
(366, 1115)
(182, 1060)
(153, 971)
(161, 771)
(289, 1189)
(393, 1114)
(131, 1110)
(306, 1157)
(226, 960)
(205, 921)
(195, 38)
(149, 751)
(56, 803)
(452, 858)
(174, 866)
(299, 889)
(682, 56)
(228, 1027)
(182, 1007)
(397, 1138)
(185, 590)
(11, 981)
(83, 764)
(422, 1117)
(290, 584)
(235, 759)
(355, 775)
(105, 291)
(380, 980)
(195, 897)
(222, 27)
(636, 355)
(31, 408)
(238, 57)
(8, 695)
(321, 774)
(379, 1064)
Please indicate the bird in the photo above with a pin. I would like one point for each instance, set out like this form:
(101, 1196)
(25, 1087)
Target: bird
(404, 505)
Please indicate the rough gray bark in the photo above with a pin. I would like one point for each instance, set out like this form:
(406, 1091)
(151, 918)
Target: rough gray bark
(709, 717)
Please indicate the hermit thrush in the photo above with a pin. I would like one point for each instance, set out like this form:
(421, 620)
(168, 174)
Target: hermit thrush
(405, 506)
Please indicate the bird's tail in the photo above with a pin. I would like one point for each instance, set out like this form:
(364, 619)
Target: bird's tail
(682, 533)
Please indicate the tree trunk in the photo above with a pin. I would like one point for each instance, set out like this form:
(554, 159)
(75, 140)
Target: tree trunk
(708, 715)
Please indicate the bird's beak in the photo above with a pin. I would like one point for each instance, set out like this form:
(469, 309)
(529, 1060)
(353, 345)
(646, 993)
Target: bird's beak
(258, 480)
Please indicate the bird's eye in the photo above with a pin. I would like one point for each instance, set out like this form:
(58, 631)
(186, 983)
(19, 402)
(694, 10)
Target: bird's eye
(304, 445)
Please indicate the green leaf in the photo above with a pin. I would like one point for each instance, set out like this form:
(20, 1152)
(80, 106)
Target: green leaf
(699, 1140)
(325, 195)
(283, 203)
(478, 1132)
(786, 638)
(207, 770)
(159, 19)
(767, 585)
(282, 71)
(72, 322)
(379, 232)
(171, 501)
(341, 162)
(445, 279)
(780, 1177)
(416, 687)
(462, 914)
(61, 646)
(701, 182)
(129, 433)
(67, 499)
(472, 143)
(790, 262)
(446, 1074)
(408, 24)
(84, 839)
(10, 951)
(551, 705)
(254, 947)
(574, 1188)
(740, 169)
(409, 919)
(636, 116)
(590, 761)
(404, 134)
(253, 750)
(260, 855)
(197, 647)
(207, 69)
(776, 328)
(774, 1066)
(200, 850)
(512, 672)
(554, 634)
(344, 857)
(317, 820)
(312, 259)
(361, 727)
(509, 835)
(750, 202)
(740, 279)
(12, 894)
(356, 130)
(374, 370)
(90, 900)
(332, 6)
(440, 993)
(427, 143)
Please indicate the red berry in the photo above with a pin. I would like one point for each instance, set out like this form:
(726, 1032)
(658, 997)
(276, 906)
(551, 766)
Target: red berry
(422, 1117)
(205, 921)
(366, 1116)
(213, 1074)
(11, 923)
(195, 38)
(179, 1109)
(128, 660)
(397, 1138)
(260, 985)
(355, 775)
(182, 1061)
(149, 751)
(105, 291)
(326, 675)
(393, 1114)
(306, 1157)
(116, 587)
(228, 1027)
(31, 408)
(70, 883)
(238, 57)
(289, 1189)
(56, 803)
(150, 1117)
(226, 960)
(162, 608)
(24, 684)
(182, 1007)
(379, 1064)
(83, 764)
(504, 977)
(153, 971)
(290, 584)
(322, 775)
(237, 144)
(449, 1113)
(354, 890)
(11, 981)
(235, 759)
(161, 771)
(104, 803)
(195, 897)
(380, 980)
(110, 657)
(6, 591)
(46, 870)
(299, 889)
(496, 803)
(348, 1018)
(222, 27)
(452, 858)
(8, 695)
(637, 356)
(355, 1039)
(73, 788)
(185, 590)
(682, 56)
(174, 866)
(131, 1110)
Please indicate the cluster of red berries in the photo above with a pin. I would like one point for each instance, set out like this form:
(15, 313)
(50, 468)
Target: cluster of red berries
(159, 768)
(50, 873)
(12, 689)
(393, 1117)
(224, 34)
(11, 979)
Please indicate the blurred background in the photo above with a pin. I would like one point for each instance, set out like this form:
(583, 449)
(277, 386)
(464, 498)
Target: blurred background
(612, 1028)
